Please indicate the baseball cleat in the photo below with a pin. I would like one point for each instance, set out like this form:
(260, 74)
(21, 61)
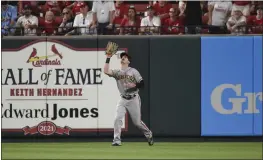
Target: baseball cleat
(116, 144)
(150, 141)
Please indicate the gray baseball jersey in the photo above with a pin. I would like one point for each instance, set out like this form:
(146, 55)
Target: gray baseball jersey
(128, 75)
(133, 106)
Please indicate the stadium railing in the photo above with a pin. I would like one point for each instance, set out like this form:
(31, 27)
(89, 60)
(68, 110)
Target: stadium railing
(201, 29)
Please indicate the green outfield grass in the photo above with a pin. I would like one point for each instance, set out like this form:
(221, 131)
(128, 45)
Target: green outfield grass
(132, 150)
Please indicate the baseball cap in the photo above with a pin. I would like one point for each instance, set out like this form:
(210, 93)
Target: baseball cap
(27, 7)
(125, 54)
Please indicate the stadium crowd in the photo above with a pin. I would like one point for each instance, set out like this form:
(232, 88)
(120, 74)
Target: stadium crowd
(130, 17)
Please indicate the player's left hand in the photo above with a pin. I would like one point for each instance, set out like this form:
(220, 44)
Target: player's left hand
(111, 48)
(130, 85)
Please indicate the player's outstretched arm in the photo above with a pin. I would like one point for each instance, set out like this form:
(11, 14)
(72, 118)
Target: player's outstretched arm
(107, 69)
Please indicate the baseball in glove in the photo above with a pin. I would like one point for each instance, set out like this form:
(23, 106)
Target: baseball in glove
(111, 48)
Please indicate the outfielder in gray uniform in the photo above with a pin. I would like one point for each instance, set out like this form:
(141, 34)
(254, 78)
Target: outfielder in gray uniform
(129, 81)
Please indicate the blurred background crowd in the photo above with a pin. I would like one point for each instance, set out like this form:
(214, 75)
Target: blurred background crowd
(65, 18)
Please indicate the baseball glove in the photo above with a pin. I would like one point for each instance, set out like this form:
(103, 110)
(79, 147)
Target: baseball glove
(112, 48)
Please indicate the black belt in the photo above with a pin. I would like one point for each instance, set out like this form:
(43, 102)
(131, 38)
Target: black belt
(128, 97)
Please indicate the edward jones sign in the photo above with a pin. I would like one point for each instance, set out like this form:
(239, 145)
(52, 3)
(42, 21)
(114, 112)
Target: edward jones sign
(52, 88)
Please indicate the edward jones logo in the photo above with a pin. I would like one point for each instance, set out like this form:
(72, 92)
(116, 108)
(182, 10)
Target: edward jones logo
(48, 127)
(45, 60)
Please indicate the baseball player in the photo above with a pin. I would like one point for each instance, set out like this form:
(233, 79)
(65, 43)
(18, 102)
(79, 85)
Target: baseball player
(129, 81)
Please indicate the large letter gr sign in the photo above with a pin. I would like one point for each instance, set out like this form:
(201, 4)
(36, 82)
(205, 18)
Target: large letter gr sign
(237, 103)
(232, 86)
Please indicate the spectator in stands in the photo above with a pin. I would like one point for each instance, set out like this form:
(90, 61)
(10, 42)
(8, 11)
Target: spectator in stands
(8, 18)
(75, 7)
(150, 24)
(67, 23)
(193, 17)
(255, 5)
(256, 22)
(49, 26)
(218, 14)
(120, 12)
(173, 25)
(243, 6)
(41, 9)
(53, 6)
(83, 21)
(151, 3)
(236, 23)
(103, 16)
(182, 6)
(204, 7)
(28, 22)
(130, 24)
(12, 3)
(34, 7)
(162, 9)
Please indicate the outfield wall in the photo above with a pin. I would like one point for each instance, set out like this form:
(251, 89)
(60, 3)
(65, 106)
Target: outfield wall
(195, 86)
